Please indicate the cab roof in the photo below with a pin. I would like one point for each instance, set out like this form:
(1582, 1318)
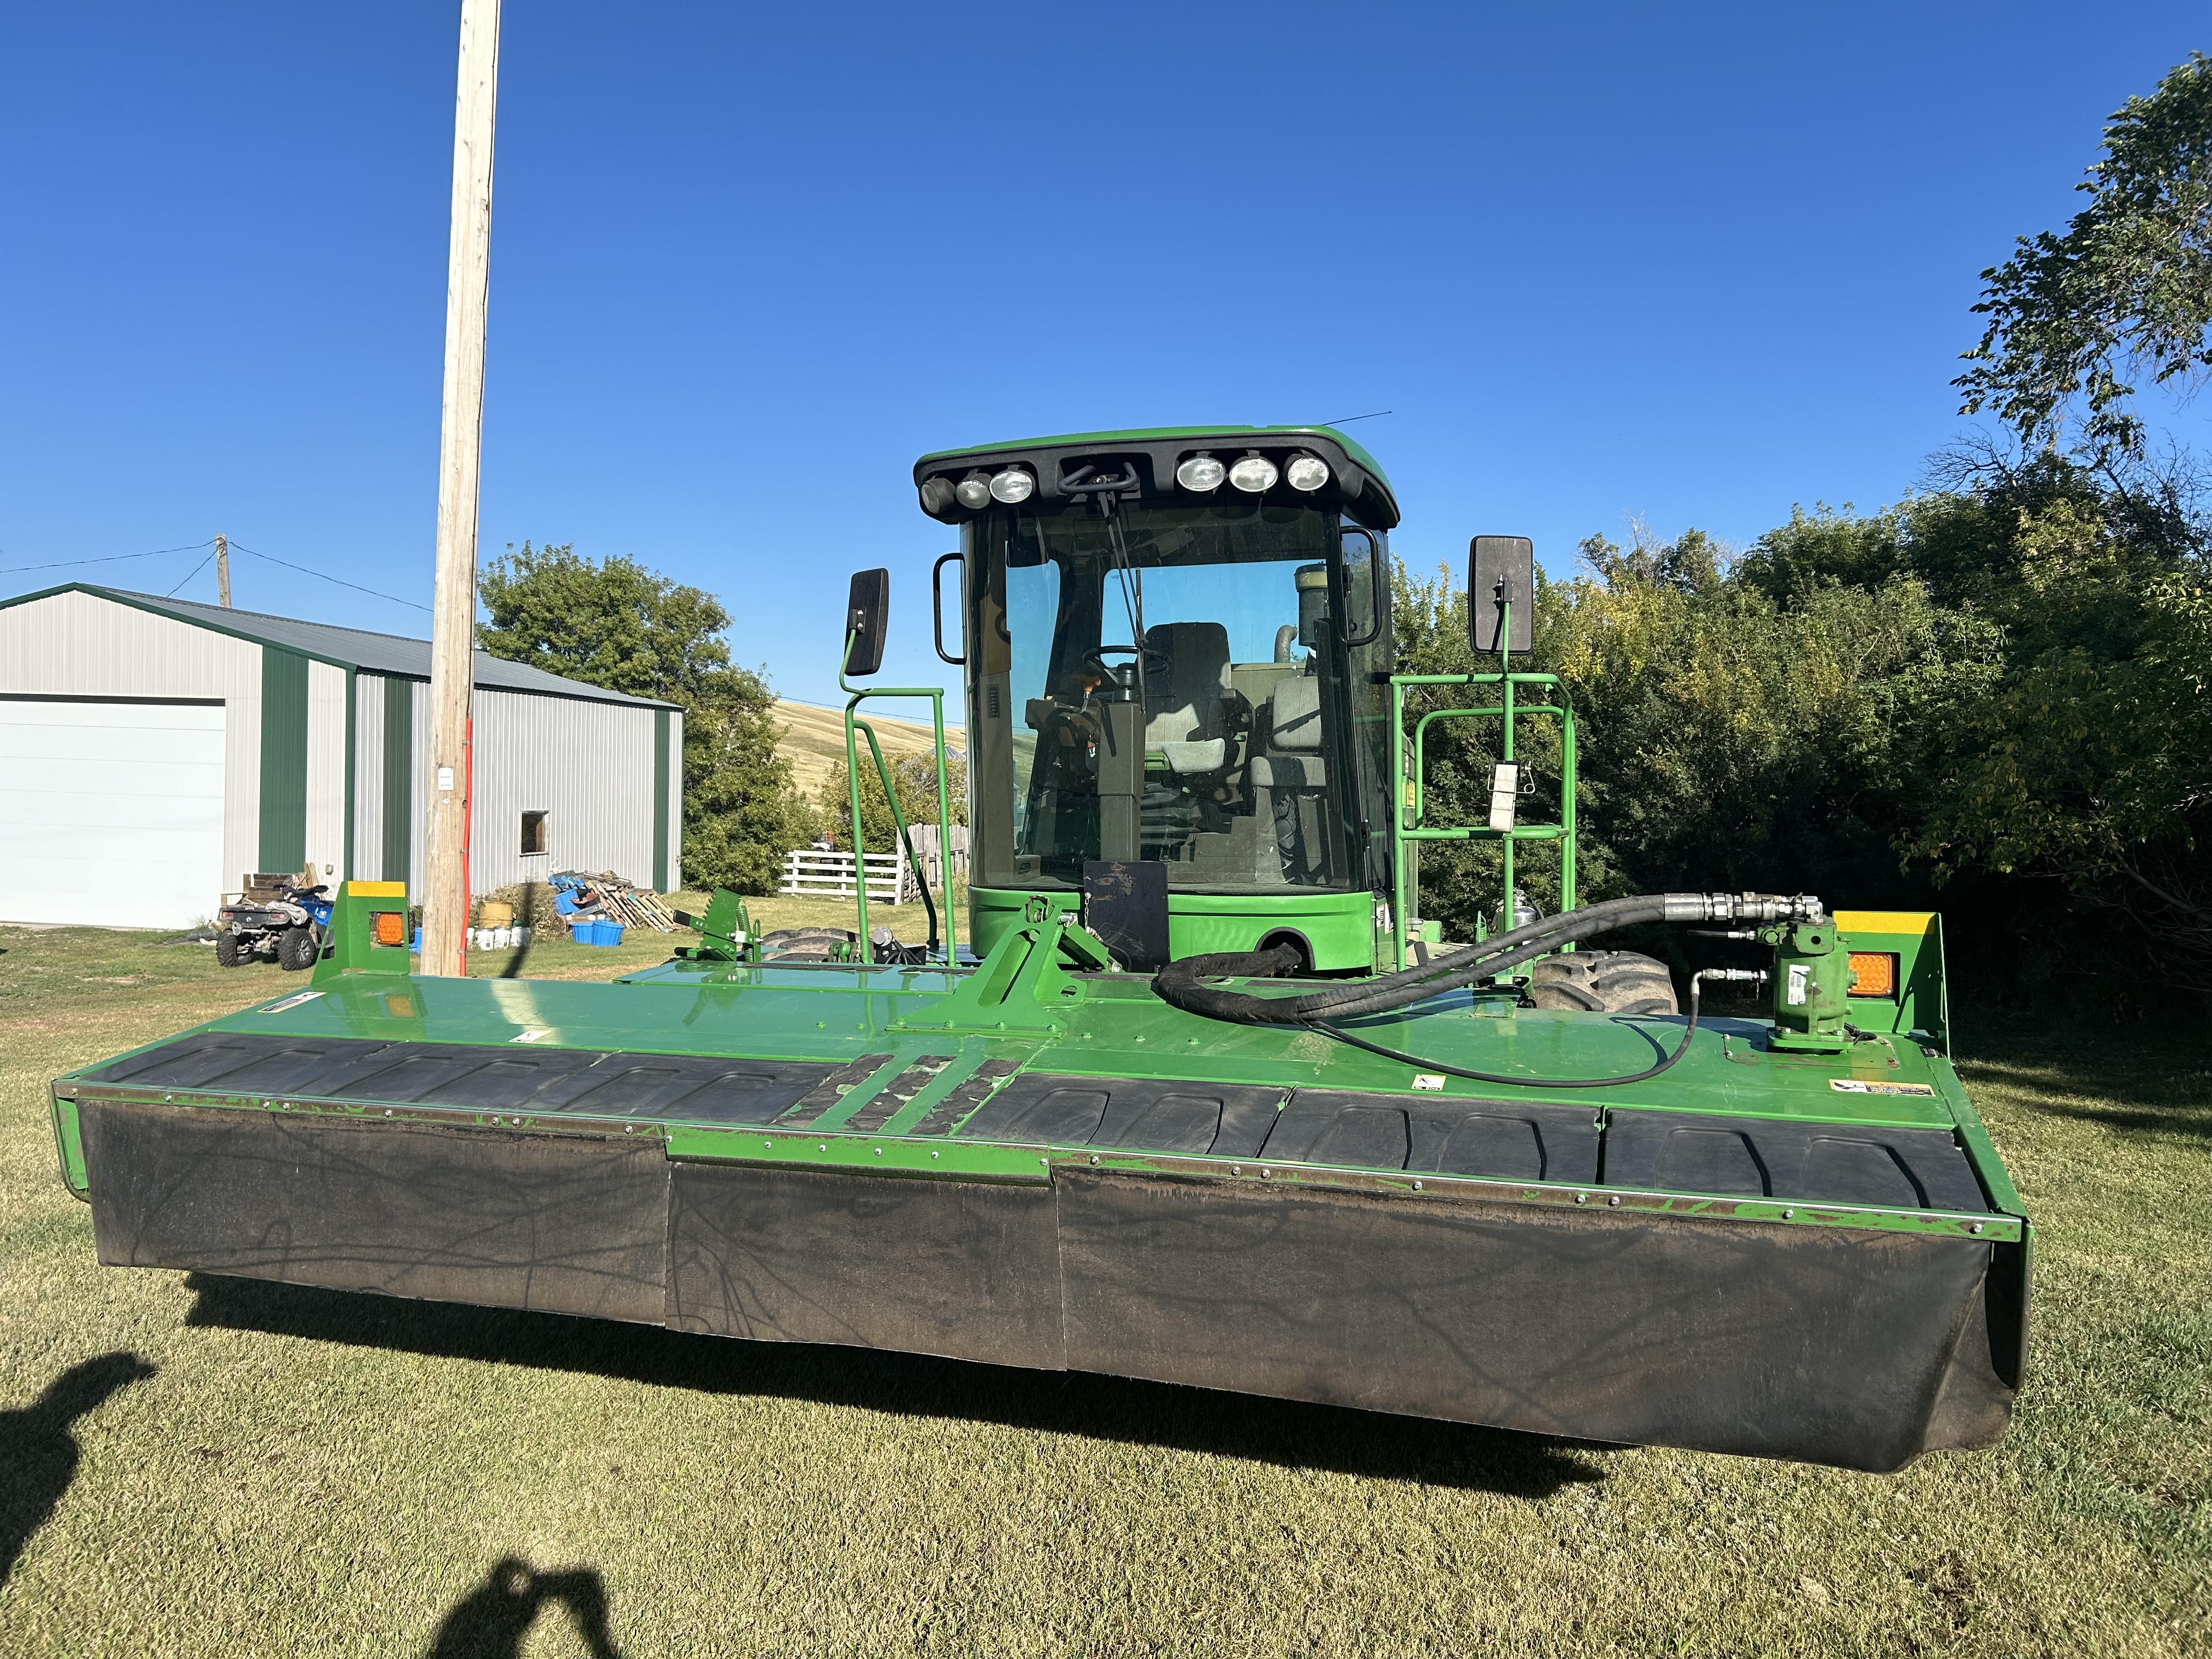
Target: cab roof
(1355, 475)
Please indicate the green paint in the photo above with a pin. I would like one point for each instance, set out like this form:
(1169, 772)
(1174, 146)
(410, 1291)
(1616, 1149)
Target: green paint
(283, 840)
(1337, 925)
(399, 779)
(68, 1147)
(660, 801)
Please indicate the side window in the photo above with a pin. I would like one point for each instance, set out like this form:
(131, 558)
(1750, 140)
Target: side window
(533, 832)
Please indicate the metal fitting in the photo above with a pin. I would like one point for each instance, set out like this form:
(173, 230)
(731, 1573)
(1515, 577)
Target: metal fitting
(1743, 907)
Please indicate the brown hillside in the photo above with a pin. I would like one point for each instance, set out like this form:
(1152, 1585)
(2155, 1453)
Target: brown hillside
(814, 739)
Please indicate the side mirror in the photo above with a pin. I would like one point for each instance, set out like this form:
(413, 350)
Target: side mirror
(867, 614)
(1501, 570)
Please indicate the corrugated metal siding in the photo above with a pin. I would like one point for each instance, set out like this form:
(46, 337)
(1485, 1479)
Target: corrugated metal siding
(384, 653)
(588, 766)
(368, 778)
(327, 770)
(676, 800)
(80, 645)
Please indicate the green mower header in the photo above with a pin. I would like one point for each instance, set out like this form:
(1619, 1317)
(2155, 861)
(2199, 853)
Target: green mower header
(1198, 1099)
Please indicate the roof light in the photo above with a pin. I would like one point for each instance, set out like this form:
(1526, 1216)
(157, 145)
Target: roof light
(1013, 486)
(1201, 472)
(1308, 473)
(973, 491)
(1254, 474)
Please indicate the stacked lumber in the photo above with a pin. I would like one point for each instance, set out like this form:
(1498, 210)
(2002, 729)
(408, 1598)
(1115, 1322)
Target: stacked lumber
(602, 893)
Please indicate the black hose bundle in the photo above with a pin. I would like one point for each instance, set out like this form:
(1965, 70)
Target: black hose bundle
(1182, 984)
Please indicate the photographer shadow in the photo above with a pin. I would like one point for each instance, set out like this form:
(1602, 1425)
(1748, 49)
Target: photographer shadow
(492, 1621)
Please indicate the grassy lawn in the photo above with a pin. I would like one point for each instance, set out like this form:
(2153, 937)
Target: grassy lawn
(192, 1465)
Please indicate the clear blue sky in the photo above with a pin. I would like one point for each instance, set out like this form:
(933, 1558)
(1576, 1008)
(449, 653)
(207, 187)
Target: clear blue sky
(1691, 262)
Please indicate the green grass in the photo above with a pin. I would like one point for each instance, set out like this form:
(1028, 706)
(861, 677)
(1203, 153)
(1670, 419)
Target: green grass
(308, 1473)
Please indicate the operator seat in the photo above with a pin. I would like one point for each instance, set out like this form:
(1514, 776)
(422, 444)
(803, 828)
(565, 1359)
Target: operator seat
(1291, 780)
(1183, 716)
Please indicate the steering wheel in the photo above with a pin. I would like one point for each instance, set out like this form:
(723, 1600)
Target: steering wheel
(1155, 660)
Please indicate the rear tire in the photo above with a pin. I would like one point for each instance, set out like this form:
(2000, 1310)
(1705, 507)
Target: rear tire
(1603, 983)
(229, 950)
(296, 949)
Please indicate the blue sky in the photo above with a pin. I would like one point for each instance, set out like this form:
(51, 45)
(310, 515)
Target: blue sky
(1692, 262)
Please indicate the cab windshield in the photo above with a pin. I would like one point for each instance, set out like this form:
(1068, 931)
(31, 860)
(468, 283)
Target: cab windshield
(1175, 683)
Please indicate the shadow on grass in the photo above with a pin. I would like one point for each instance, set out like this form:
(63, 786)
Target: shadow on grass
(492, 1620)
(2144, 1080)
(1291, 1433)
(38, 1453)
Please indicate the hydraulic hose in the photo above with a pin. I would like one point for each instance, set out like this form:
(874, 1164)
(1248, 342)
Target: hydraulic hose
(1180, 984)
(1689, 1031)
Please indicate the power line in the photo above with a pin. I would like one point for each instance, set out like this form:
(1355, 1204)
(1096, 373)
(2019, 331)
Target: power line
(111, 558)
(237, 546)
(1348, 419)
(196, 570)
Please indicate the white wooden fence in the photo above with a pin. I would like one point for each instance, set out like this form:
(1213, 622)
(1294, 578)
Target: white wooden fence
(891, 879)
(809, 870)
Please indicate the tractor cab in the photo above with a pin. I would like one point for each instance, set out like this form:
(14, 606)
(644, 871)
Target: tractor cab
(1178, 654)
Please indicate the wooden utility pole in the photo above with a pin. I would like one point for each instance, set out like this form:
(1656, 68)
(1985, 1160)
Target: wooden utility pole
(454, 614)
(222, 570)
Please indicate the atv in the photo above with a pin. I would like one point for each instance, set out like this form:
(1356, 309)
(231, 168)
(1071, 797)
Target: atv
(289, 928)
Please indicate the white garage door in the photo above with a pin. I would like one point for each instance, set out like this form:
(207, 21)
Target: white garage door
(110, 813)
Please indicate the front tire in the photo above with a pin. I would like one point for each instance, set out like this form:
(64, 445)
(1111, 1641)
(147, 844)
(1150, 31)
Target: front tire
(229, 950)
(296, 949)
(1603, 983)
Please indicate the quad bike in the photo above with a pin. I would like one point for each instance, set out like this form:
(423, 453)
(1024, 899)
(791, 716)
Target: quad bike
(289, 928)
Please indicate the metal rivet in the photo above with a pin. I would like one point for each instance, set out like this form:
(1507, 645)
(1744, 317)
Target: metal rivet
(1046, 1161)
(387, 1111)
(1094, 1158)
(1237, 1168)
(1417, 1186)
(823, 1147)
(1615, 1201)
(1786, 1214)
(1581, 1197)
(1976, 1228)
(173, 1097)
(879, 1152)
(933, 1154)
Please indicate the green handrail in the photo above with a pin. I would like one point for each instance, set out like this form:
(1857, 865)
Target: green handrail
(936, 695)
(1408, 792)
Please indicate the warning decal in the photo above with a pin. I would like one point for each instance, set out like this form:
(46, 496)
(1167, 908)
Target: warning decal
(1851, 1085)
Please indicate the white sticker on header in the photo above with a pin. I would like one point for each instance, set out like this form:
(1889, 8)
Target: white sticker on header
(539, 1037)
(1427, 1080)
(1851, 1085)
(291, 1002)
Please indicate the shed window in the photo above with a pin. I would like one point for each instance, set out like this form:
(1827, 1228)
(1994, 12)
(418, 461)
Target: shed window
(533, 832)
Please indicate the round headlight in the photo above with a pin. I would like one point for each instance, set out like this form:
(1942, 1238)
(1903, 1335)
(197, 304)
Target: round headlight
(1012, 485)
(1201, 473)
(1254, 474)
(1308, 473)
(973, 491)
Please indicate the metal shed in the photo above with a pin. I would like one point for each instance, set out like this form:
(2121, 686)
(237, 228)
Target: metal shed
(154, 750)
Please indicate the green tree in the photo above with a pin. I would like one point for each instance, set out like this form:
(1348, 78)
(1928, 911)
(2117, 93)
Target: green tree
(614, 623)
(2126, 290)
(913, 775)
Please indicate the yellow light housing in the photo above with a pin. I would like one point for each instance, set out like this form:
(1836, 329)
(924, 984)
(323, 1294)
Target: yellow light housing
(1873, 972)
